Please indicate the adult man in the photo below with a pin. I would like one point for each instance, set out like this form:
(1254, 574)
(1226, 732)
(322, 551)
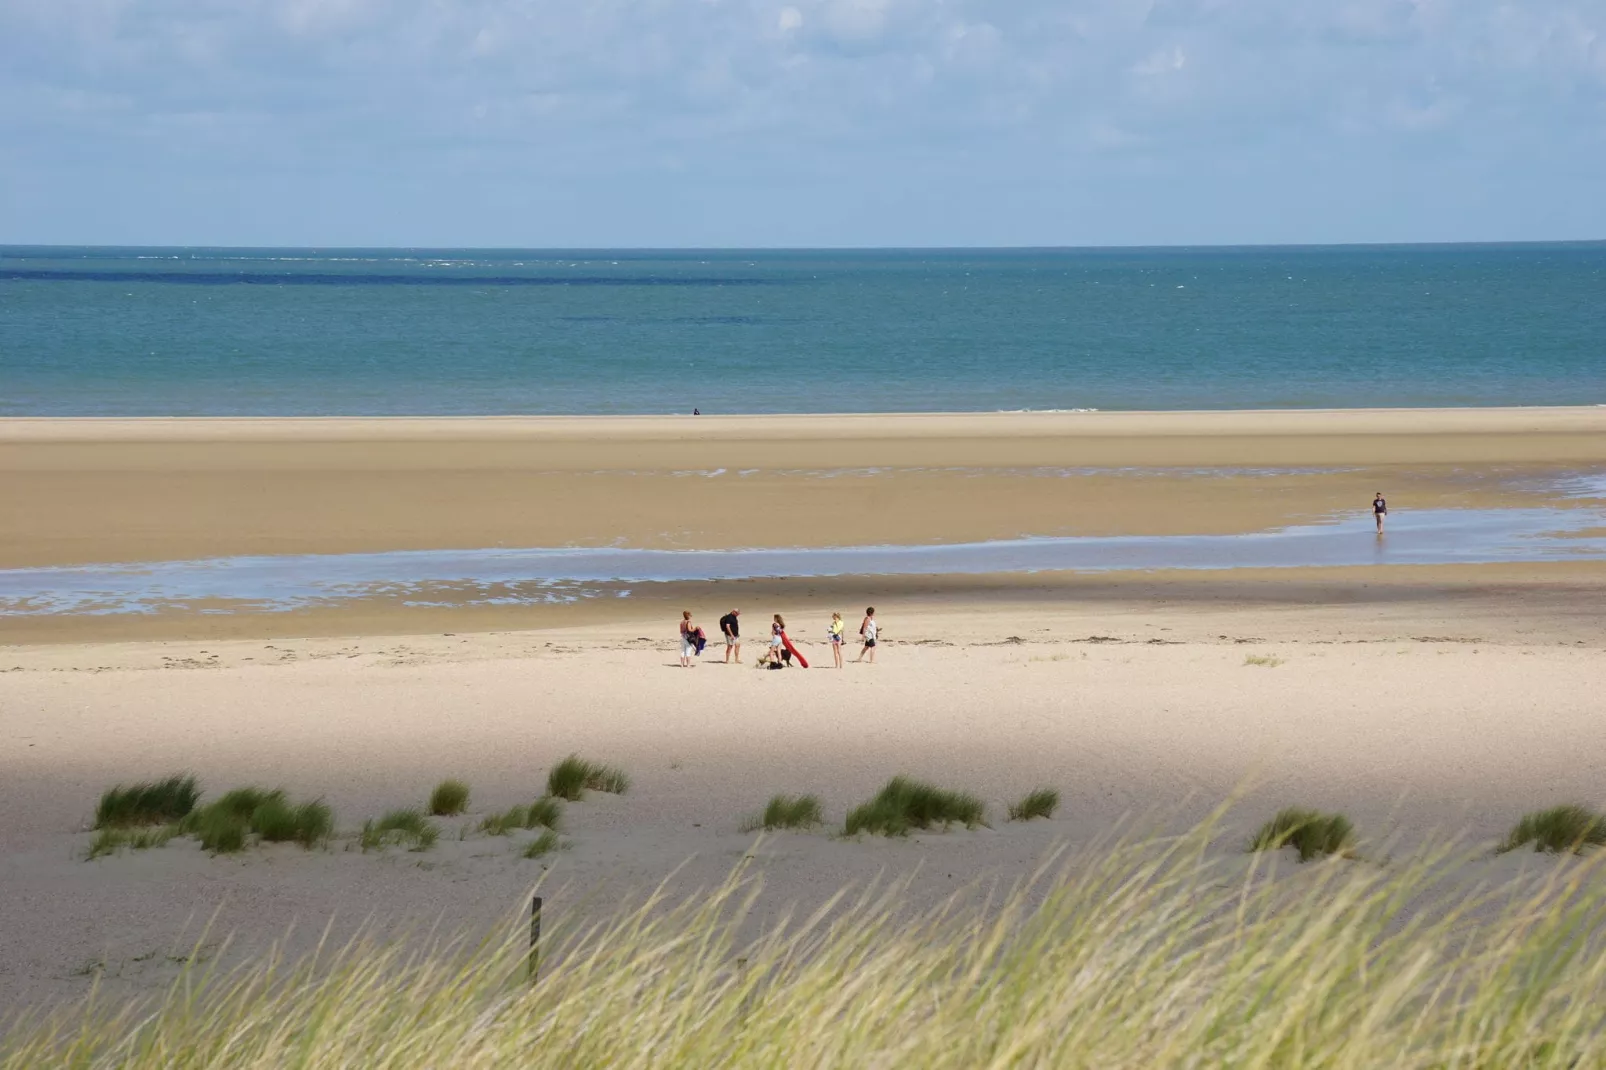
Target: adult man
(729, 626)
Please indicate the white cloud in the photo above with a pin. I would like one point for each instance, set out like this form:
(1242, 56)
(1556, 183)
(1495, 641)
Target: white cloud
(1162, 62)
(975, 44)
(856, 20)
(313, 17)
(1419, 115)
(836, 95)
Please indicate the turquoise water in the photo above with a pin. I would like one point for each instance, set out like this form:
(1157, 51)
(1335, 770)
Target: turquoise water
(376, 332)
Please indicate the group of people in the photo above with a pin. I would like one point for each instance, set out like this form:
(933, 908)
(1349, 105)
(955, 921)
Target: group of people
(781, 650)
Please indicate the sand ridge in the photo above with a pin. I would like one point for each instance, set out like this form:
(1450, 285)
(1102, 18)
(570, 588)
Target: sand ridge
(144, 490)
(1587, 419)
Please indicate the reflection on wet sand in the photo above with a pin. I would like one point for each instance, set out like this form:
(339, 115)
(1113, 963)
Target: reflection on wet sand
(265, 584)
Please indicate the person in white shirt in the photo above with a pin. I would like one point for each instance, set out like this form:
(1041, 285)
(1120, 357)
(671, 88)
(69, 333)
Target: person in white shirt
(869, 629)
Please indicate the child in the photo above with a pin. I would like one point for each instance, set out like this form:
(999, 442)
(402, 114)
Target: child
(836, 638)
(776, 643)
(869, 629)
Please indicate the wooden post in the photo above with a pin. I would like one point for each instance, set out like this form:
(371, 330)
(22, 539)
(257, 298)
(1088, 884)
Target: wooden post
(535, 938)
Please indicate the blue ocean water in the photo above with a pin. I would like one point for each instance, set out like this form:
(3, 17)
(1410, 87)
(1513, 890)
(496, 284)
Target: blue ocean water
(135, 332)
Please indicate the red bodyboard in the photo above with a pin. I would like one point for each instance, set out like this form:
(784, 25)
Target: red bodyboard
(794, 651)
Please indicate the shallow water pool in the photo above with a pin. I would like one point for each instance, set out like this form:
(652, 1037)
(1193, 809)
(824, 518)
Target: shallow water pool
(560, 574)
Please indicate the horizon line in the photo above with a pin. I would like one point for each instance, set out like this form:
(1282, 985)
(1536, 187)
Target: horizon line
(6, 247)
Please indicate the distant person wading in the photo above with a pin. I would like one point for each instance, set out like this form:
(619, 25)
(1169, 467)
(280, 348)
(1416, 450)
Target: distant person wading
(1380, 509)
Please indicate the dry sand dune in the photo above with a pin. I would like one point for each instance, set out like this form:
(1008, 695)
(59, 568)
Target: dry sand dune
(1406, 717)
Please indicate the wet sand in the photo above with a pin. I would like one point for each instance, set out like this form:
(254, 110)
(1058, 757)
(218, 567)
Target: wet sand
(1571, 593)
(121, 490)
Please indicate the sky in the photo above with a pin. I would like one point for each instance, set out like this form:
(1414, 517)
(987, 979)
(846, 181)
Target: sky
(751, 123)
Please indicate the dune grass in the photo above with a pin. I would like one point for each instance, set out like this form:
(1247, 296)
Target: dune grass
(1560, 829)
(1040, 803)
(543, 844)
(449, 798)
(787, 812)
(223, 826)
(1148, 953)
(273, 818)
(1265, 661)
(571, 778)
(158, 802)
(227, 824)
(314, 823)
(545, 812)
(111, 840)
(407, 828)
(219, 829)
(567, 779)
(505, 822)
(906, 804)
(1312, 833)
(277, 821)
(243, 802)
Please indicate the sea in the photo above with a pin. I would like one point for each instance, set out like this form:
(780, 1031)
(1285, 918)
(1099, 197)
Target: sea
(366, 332)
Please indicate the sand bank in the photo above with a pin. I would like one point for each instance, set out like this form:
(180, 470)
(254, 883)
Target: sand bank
(1231, 425)
(133, 490)
(1468, 709)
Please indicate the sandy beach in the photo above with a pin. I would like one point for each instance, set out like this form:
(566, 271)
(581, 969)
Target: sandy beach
(137, 490)
(1412, 698)
(1454, 713)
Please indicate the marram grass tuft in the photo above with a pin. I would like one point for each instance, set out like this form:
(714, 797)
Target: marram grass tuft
(1312, 833)
(1559, 829)
(1149, 953)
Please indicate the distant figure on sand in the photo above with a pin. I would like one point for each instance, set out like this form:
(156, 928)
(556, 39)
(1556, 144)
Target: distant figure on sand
(1380, 509)
(836, 638)
(688, 639)
(869, 629)
(731, 629)
(776, 642)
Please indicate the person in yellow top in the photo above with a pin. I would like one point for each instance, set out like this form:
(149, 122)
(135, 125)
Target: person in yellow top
(836, 638)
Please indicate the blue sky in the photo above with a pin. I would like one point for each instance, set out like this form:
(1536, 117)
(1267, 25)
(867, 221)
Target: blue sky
(800, 122)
